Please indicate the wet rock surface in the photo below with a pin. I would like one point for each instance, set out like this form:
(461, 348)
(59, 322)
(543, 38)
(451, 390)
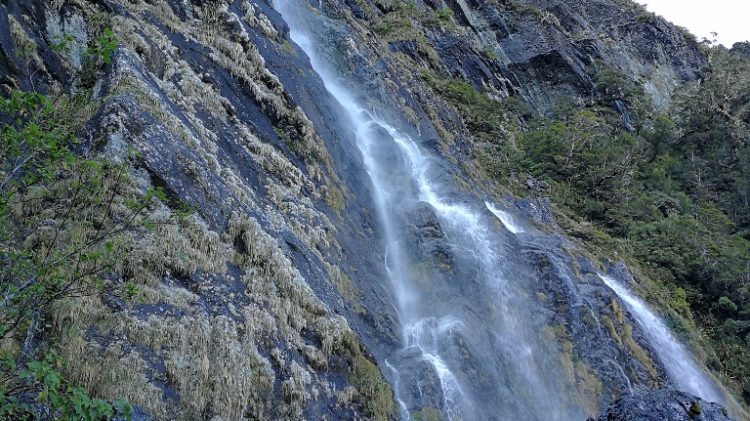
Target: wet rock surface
(430, 244)
(663, 405)
(203, 98)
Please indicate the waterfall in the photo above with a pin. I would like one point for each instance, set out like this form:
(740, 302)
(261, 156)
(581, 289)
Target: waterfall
(468, 348)
(681, 368)
(474, 345)
(507, 219)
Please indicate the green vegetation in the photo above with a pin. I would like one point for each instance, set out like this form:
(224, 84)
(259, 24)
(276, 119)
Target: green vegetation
(522, 8)
(403, 20)
(444, 15)
(55, 398)
(485, 117)
(695, 409)
(60, 226)
(669, 193)
(334, 197)
(374, 393)
(427, 414)
(398, 23)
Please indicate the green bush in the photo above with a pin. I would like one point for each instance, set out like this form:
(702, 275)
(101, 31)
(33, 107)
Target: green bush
(60, 226)
(444, 15)
(668, 192)
(55, 398)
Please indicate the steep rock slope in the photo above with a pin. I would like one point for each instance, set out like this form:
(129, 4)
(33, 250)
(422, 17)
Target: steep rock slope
(249, 307)
(663, 405)
(236, 314)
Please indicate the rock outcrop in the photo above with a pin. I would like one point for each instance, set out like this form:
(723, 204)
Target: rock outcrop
(663, 405)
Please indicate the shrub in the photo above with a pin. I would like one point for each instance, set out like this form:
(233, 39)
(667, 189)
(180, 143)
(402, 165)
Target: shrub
(444, 15)
(60, 225)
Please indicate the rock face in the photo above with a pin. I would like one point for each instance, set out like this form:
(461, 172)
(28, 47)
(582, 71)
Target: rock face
(246, 300)
(663, 405)
(272, 300)
(544, 48)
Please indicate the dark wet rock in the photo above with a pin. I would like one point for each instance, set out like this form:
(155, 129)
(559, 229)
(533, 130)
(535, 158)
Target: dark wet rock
(421, 385)
(581, 309)
(427, 222)
(411, 49)
(542, 43)
(663, 405)
(429, 238)
(619, 270)
(536, 209)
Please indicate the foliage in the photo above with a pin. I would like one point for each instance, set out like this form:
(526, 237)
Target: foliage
(374, 393)
(671, 191)
(397, 23)
(522, 8)
(484, 116)
(403, 20)
(444, 15)
(61, 220)
(54, 398)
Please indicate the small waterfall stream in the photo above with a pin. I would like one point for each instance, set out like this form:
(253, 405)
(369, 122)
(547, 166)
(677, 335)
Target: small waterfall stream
(508, 220)
(682, 369)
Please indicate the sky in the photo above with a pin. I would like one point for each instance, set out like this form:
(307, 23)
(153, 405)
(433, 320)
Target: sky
(728, 18)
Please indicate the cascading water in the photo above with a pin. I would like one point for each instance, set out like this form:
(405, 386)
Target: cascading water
(679, 364)
(507, 219)
(473, 342)
(469, 351)
(468, 230)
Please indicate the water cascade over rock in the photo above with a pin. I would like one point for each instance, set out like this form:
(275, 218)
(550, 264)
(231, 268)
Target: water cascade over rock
(678, 362)
(474, 344)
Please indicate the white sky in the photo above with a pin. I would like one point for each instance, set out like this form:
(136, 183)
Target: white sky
(728, 18)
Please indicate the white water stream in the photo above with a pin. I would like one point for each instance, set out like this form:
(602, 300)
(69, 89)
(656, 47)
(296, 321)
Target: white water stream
(463, 343)
(682, 369)
(508, 220)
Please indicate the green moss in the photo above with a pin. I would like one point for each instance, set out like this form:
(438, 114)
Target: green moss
(287, 48)
(375, 394)
(406, 20)
(625, 335)
(489, 53)
(343, 284)
(695, 409)
(334, 197)
(427, 414)
(589, 319)
(577, 373)
(607, 322)
(444, 15)
(397, 24)
(522, 8)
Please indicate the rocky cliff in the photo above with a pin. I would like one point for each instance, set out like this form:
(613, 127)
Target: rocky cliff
(270, 301)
